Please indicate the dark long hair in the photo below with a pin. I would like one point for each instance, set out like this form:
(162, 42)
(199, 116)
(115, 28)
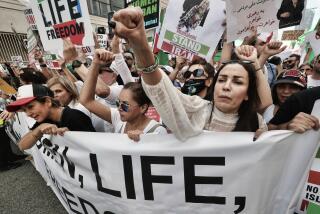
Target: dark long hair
(138, 93)
(248, 118)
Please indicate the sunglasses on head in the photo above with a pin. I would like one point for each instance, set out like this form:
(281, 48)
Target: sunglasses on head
(237, 62)
(123, 106)
(196, 73)
(128, 57)
(105, 70)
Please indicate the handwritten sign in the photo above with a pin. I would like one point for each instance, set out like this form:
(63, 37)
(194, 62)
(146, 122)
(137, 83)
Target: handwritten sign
(61, 19)
(244, 15)
(292, 34)
(187, 28)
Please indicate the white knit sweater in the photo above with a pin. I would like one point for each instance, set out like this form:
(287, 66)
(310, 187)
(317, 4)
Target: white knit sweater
(186, 115)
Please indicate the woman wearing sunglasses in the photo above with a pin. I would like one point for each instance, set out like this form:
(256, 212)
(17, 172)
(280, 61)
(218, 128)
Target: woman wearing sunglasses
(132, 104)
(237, 87)
(198, 79)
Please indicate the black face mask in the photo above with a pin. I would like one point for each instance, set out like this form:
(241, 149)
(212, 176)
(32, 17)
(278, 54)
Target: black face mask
(193, 87)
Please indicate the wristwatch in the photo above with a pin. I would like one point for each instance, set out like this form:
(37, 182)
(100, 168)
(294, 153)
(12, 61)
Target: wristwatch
(76, 64)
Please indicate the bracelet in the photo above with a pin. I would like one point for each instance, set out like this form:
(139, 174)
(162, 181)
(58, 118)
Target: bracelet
(259, 69)
(43, 65)
(149, 69)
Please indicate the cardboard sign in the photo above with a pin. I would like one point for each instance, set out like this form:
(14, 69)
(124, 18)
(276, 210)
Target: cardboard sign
(151, 11)
(4, 86)
(292, 34)
(61, 19)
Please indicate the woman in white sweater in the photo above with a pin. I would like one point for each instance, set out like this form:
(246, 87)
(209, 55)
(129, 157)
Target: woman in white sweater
(237, 87)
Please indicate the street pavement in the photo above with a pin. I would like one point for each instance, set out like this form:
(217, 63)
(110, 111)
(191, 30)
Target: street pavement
(23, 191)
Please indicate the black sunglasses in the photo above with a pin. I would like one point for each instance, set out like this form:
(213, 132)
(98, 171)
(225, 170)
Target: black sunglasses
(123, 106)
(196, 73)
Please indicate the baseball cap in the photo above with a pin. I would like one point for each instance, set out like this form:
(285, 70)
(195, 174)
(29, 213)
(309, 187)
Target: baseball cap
(292, 77)
(28, 93)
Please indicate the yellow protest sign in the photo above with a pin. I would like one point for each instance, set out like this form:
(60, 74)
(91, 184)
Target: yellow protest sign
(4, 86)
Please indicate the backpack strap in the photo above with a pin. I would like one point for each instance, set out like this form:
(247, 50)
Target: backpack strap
(153, 128)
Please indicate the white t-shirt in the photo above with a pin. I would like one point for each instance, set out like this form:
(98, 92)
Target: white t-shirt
(312, 82)
(115, 90)
(98, 123)
(268, 113)
(119, 125)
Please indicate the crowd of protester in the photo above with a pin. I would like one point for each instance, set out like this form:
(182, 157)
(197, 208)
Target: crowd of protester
(248, 89)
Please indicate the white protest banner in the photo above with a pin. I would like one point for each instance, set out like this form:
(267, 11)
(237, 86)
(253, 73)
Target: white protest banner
(60, 19)
(244, 15)
(309, 201)
(215, 172)
(211, 173)
(102, 40)
(192, 28)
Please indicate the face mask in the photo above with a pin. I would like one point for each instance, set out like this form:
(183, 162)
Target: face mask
(193, 87)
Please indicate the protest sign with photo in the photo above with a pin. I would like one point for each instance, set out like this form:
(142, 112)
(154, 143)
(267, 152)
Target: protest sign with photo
(61, 20)
(292, 34)
(187, 29)
(243, 16)
(151, 11)
(290, 12)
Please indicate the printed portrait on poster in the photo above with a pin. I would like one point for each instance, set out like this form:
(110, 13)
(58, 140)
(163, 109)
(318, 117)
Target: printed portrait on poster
(290, 13)
(194, 14)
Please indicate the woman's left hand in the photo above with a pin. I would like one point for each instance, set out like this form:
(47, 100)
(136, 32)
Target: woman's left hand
(134, 135)
(247, 52)
(51, 129)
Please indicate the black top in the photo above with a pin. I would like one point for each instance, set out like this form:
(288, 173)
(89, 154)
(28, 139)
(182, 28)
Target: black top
(300, 102)
(73, 119)
(295, 13)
